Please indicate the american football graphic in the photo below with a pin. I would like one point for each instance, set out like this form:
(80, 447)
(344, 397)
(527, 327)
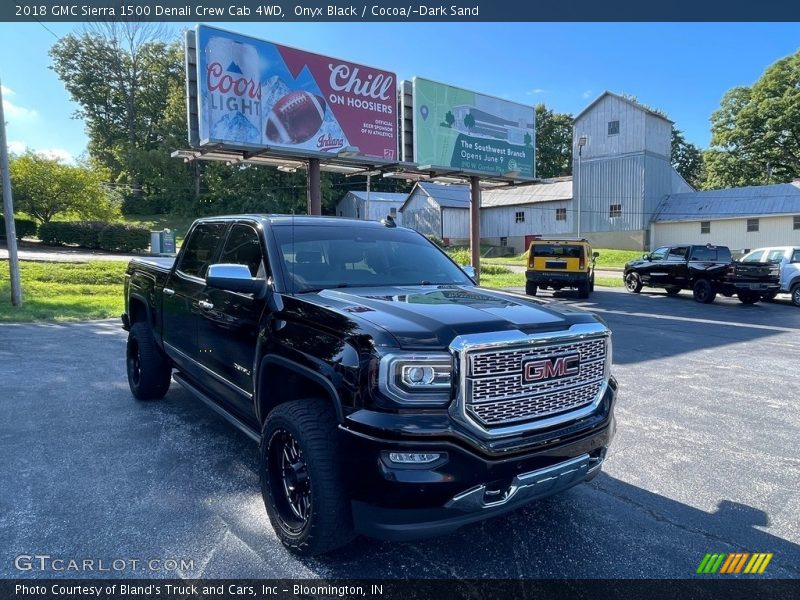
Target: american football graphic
(295, 118)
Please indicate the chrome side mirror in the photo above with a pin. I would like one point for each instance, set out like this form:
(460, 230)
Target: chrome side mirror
(235, 278)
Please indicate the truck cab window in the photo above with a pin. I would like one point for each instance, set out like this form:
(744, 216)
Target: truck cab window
(243, 247)
(677, 253)
(659, 253)
(200, 249)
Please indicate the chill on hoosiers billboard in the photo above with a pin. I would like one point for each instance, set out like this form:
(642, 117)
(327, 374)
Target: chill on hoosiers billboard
(254, 94)
(466, 131)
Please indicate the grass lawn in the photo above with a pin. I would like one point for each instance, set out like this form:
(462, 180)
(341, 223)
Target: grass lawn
(179, 224)
(609, 258)
(518, 280)
(64, 291)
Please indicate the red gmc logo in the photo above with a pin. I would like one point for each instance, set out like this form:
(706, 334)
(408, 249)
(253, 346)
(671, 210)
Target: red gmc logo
(551, 368)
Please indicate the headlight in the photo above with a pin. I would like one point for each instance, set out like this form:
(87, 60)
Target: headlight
(416, 379)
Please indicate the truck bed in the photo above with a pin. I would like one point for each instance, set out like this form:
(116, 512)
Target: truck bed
(159, 263)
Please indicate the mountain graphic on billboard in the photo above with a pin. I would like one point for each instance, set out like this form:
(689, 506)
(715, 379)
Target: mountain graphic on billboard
(235, 126)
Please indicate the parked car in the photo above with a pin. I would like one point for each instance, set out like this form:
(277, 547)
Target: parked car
(788, 260)
(390, 396)
(706, 270)
(560, 264)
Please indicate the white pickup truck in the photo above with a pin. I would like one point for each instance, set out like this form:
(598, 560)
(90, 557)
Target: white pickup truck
(788, 257)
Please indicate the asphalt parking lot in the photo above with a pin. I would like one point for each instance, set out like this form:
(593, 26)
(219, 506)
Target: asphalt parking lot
(705, 460)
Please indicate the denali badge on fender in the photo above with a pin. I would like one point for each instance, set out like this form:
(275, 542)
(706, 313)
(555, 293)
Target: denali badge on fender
(551, 368)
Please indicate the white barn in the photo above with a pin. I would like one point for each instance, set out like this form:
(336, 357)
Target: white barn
(357, 205)
(512, 216)
(740, 218)
(438, 209)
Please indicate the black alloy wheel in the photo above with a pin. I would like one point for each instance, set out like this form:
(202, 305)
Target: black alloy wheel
(287, 465)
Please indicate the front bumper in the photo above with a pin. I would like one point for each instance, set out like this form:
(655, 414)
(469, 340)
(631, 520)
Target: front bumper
(474, 481)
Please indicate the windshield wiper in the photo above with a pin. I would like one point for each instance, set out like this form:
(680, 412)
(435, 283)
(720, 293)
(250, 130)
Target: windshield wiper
(333, 286)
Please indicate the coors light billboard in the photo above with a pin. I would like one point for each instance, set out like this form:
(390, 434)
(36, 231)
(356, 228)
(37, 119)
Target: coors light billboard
(256, 94)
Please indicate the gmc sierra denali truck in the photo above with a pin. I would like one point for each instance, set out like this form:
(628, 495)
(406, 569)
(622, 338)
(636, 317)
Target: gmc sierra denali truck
(705, 270)
(390, 396)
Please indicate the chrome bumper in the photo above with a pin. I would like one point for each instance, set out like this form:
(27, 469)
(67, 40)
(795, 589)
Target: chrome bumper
(530, 486)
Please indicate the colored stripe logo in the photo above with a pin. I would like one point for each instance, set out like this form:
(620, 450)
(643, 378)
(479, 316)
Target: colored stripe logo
(734, 563)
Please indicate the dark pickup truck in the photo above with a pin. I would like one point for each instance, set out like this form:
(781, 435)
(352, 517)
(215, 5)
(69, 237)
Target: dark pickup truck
(389, 395)
(706, 270)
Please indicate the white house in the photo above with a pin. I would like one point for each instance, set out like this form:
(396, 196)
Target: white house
(740, 218)
(371, 207)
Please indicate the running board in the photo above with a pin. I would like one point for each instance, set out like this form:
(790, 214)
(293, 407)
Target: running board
(235, 421)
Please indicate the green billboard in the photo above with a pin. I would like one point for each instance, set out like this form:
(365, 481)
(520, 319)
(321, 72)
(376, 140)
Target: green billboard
(459, 130)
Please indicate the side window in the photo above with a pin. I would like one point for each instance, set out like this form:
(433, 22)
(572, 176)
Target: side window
(775, 256)
(659, 253)
(796, 256)
(200, 249)
(754, 257)
(677, 253)
(243, 247)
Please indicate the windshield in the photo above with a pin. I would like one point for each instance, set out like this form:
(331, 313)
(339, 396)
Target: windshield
(319, 257)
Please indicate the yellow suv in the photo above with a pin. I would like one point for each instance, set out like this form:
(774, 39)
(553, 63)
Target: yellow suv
(560, 264)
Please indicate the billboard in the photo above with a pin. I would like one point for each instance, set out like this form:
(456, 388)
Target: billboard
(254, 94)
(460, 130)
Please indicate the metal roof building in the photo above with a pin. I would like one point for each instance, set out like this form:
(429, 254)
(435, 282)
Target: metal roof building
(357, 205)
(741, 218)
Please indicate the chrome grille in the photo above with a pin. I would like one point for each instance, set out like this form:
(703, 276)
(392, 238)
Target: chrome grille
(497, 395)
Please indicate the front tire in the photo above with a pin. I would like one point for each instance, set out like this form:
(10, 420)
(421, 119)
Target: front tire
(583, 290)
(795, 294)
(301, 480)
(769, 296)
(633, 282)
(673, 291)
(530, 288)
(749, 297)
(149, 370)
(703, 291)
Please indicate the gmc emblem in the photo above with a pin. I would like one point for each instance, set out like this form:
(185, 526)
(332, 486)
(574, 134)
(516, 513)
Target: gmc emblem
(551, 368)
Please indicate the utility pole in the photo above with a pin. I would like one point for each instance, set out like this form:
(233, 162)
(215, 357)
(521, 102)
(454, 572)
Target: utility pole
(314, 193)
(8, 212)
(366, 208)
(475, 226)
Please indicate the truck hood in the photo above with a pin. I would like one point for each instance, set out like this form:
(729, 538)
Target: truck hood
(431, 316)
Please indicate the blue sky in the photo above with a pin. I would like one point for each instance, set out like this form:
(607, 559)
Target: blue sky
(683, 69)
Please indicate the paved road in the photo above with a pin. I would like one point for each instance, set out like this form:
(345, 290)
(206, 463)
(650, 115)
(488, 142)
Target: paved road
(705, 460)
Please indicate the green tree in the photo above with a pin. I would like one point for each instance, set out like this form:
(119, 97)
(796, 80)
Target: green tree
(469, 121)
(449, 119)
(687, 159)
(46, 187)
(122, 75)
(755, 133)
(553, 143)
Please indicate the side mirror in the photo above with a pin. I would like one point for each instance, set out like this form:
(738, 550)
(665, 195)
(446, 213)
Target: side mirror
(645, 256)
(235, 278)
(469, 270)
(595, 254)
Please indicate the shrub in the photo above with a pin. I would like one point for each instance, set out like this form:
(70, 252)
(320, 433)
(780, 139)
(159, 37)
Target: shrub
(435, 240)
(24, 227)
(461, 257)
(494, 270)
(95, 235)
(125, 238)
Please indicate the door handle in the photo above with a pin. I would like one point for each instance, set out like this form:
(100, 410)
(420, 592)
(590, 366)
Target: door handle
(205, 305)
(168, 292)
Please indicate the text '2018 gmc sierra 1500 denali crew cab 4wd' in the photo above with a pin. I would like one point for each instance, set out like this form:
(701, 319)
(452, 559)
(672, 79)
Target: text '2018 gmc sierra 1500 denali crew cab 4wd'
(390, 396)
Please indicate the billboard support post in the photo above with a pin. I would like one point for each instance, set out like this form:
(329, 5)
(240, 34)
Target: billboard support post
(8, 211)
(475, 226)
(314, 200)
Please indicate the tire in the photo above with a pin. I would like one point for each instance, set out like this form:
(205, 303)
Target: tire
(530, 288)
(583, 290)
(149, 370)
(769, 297)
(633, 282)
(749, 297)
(591, 283)
(703, 291)
(306, 502)
(673, 291)
(795, 294)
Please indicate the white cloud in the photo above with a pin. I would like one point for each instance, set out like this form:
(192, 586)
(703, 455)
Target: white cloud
(7, 91)
(20, 113)
(535, 92)
(587, 94)
(18, 147)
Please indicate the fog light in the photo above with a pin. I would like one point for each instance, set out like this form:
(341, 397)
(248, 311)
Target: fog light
(414, 458)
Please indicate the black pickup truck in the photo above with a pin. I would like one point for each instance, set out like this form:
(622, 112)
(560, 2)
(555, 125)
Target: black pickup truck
(705, 270)
(389, 395)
